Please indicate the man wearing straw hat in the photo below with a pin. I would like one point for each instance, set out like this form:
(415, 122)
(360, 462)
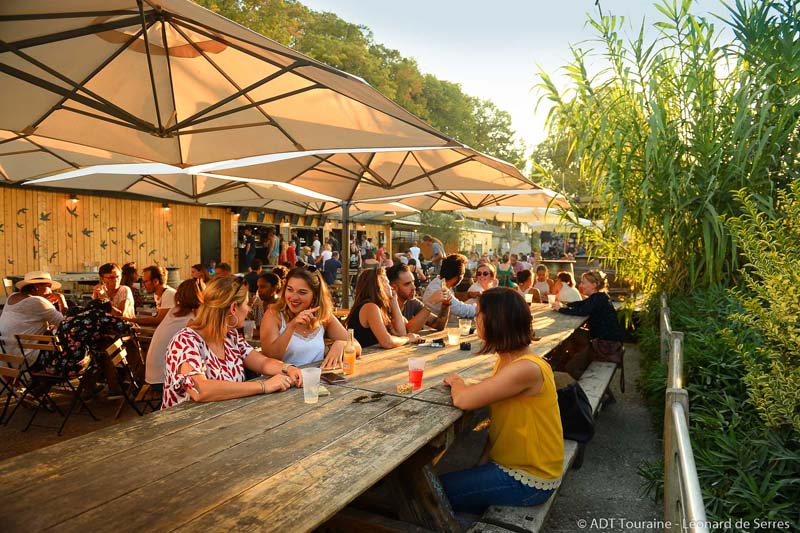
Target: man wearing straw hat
(30, 310)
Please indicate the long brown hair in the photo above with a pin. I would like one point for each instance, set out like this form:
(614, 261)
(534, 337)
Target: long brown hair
(188, 297)
(369, 290)
(321, 298)
(213, 314)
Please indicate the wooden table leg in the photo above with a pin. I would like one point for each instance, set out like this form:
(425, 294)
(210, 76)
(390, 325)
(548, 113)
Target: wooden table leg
(420, 496)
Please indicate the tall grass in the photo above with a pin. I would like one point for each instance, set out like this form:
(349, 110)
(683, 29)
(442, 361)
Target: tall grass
(673, 125)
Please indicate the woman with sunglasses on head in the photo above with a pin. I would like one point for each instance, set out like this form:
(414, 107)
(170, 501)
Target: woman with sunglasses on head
(522, 462)
(484, 280)
(206, 360)
(294, 330)
(375, 317)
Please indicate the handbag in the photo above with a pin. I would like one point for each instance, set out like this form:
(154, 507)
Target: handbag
(577, 421)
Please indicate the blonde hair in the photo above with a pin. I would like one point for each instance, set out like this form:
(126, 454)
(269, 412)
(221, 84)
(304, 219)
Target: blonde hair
(218, 296)
(321, 298)
(597, 278)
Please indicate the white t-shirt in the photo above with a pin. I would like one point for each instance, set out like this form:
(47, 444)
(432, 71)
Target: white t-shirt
(414, 252)
(326, 254)
(157, 353)
(167, 298)
(569, 294)
(29, 316)
(315, 248)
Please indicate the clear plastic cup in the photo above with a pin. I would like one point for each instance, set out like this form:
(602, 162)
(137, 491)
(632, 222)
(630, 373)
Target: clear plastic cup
(249, 327)
(311, 384)
(464, 325)
(551, 299)
(528, 298)
(453, 336)
(416, 368)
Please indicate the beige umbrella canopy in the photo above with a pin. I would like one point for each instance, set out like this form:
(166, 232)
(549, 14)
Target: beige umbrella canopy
(529, 197)
(29, 157)
(169, 81)
(365, 175)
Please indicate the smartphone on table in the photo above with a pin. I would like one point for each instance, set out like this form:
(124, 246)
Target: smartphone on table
(332, 378)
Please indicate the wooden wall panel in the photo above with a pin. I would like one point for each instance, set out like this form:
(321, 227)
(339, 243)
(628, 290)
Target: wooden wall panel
(98, 232)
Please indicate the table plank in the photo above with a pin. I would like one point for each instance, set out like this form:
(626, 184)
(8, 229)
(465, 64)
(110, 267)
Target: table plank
(320, 484)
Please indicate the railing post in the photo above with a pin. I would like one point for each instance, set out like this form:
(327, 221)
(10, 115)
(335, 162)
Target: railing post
(673, 512)
(675, 366)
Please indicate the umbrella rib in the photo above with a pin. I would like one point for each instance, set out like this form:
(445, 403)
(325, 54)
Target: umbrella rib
(400, 166)
(149, 178)
(172, 92)
(186, 122)
(238, 88)
(145, 27)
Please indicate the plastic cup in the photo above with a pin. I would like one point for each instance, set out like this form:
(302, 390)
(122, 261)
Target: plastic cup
(453, 337)
(551, 299)
(311, 384)
(464, 325)
(416, 367)
(528, 299)
(249, 327)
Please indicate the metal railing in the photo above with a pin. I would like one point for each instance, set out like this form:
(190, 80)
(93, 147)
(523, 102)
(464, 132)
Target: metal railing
(683, 500)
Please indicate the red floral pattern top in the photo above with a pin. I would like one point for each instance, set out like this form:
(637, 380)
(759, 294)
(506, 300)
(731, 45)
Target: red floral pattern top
(187, 346)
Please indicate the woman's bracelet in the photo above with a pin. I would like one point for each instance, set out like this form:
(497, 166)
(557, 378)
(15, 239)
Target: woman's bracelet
(263, 389)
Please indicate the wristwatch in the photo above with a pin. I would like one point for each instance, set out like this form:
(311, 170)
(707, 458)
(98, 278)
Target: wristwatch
(285, 369)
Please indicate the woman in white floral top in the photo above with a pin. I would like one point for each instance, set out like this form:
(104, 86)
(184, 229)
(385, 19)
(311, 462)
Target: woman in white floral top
(206, 360)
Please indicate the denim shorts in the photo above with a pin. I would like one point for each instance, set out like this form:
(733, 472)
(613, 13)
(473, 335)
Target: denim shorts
(475, 489)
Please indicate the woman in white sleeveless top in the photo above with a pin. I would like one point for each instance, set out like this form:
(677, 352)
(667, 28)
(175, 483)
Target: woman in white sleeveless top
(294, 330)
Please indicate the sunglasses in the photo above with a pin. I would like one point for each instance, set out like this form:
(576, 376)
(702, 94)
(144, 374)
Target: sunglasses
(307, 266)
(484, 273)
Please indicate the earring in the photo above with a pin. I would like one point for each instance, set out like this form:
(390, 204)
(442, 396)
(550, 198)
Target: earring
(235, 321)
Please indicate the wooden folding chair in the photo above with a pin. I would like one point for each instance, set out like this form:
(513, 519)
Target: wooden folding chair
(8, 376)
(42, 383)
(127, 379)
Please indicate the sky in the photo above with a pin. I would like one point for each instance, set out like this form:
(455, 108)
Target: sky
(493, 53)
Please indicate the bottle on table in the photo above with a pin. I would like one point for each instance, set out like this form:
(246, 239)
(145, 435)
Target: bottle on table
(349, 357)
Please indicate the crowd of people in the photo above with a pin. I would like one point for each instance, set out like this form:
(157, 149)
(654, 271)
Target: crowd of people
(199, 353)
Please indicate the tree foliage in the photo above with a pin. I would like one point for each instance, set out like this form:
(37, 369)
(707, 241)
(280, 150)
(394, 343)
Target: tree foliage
(326, 37)
(770, 241)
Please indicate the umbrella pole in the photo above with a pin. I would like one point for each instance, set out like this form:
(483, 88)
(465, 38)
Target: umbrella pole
(345, 254)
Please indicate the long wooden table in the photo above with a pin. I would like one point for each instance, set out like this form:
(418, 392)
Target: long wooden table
(265, 462)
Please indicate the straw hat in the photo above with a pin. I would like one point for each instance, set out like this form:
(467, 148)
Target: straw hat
(38, 276)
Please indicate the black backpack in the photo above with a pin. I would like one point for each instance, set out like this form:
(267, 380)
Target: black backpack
(577, 421)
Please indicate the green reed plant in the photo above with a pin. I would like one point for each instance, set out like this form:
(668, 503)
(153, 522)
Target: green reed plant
(673, 124)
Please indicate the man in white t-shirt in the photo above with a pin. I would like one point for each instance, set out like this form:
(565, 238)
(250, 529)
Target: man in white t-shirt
(414, 251)
(154, 281)
(315, 247)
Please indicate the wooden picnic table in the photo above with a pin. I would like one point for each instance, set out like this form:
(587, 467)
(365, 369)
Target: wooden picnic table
(263, 462)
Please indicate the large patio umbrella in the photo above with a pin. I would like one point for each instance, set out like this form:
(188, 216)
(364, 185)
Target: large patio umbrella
(169, 81)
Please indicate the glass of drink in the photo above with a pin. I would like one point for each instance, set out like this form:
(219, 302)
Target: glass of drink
(311, 384)
(528, 298)
(249, 326)
(416, 366)
(551, 299)
(464, 325)
(453, 336)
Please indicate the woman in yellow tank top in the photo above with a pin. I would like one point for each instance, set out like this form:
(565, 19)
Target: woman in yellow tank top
(523, 459)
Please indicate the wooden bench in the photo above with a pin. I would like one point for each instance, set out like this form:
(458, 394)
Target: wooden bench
(594, 381)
